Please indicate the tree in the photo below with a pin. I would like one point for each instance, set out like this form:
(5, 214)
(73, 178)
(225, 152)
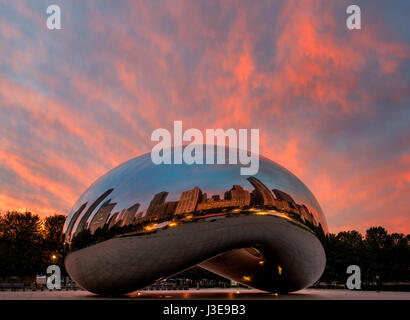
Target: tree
(330, 244)
(379, 244)
(377, 237)
(53, 248)
(53, 228)
(378, 254)
(21, 242)
(398, 254)
(28, 244)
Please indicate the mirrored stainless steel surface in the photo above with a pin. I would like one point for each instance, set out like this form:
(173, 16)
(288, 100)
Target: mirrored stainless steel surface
(137, 214)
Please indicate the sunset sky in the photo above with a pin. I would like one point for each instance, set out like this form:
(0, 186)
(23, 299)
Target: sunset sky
(332, 105)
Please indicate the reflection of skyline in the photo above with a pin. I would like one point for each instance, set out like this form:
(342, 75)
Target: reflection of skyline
(123, 218)
(191, 202)
(83, 222)
(101, 216)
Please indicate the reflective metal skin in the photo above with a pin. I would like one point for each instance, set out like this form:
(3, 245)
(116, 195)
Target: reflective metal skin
(142, 222)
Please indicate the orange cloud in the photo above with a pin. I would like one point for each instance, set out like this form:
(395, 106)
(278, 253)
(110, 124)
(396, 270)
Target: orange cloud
(90, 99)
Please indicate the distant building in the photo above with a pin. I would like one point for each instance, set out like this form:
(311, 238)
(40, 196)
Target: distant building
(101, 216)
(138, 215)
(74, 219)
(188, 201)
(113, 220)
(129, 215)
(167, 210)
(238, 195)
(261, 194)
(121, 217)
(216, 197)
(306, 214)
(134, 208)
(286, 202)
(128, 218)
(156, 202)
(215, 204)
(280, 195)
(82, 225)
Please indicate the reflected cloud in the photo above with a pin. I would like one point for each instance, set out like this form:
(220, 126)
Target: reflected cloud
(104, 219)
(142, 222)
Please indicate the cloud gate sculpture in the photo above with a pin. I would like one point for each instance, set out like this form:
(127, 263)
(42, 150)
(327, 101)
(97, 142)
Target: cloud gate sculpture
(141, 223)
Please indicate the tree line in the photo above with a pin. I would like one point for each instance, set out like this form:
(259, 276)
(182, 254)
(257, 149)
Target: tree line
(378, 253)
(28, 244)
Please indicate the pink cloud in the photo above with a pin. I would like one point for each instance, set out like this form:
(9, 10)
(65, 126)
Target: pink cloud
(294, 77)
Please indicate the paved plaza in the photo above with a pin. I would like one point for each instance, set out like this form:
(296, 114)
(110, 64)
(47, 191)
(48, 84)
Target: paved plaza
(211, 294)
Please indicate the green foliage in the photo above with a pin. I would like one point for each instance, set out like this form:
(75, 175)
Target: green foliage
(29, 244)
(21, 242)
(53, 227)
(53, 241)
(378, 253)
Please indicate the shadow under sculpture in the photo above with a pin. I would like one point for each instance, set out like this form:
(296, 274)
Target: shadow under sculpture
(141, 223)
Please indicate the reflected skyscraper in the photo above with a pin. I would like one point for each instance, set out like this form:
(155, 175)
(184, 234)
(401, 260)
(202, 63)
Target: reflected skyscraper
(238, 196)
(156, 202)
(261, 194)
(113, 220)
(130, 215)
(83, 222)
(188, 201)
(245, 236)
(101, 216)
(74, 219)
